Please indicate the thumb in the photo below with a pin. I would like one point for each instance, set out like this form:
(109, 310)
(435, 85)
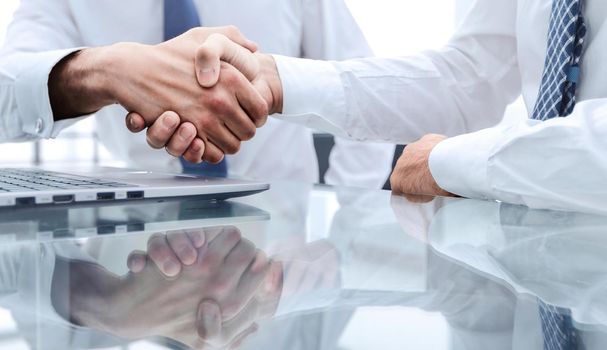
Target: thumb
(218, 48)
(135, 122)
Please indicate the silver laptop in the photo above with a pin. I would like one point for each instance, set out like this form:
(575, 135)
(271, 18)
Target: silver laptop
(24, 187)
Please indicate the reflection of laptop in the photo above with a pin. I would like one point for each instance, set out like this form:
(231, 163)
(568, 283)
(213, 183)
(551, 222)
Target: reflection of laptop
(22, 187)
(93, 219)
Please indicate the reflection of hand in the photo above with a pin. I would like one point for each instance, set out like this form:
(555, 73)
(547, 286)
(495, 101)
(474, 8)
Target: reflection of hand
(210, 302)
(314, 267)
(412, 177)
(218, 57)
(151, 80)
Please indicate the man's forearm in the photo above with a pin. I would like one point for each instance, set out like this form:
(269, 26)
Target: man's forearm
(79, 84)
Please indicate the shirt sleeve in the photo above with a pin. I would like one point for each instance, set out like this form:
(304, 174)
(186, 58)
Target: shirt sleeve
(41, 34)
(556, 164)
(462, 87)
(330, 32)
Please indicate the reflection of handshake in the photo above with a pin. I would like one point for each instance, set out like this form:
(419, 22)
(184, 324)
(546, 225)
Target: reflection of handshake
(200, 95)
(212, 302)
(217, 283)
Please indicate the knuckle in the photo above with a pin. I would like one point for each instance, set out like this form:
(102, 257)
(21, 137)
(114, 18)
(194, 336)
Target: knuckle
(217, 37)
(173, 152)
(248, 134)
(207, 123)
(262, 111)
(217, 103)
(221, 287)
(153, 140)
(214, 157)
(157, 252)
(232, 147)
(232, 30)
(209, 263)
(233, 234)
(203, 52)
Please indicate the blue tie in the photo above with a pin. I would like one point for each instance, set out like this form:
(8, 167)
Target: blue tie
(561, 75)
(179, 17)
(557, 98)
(557, 328)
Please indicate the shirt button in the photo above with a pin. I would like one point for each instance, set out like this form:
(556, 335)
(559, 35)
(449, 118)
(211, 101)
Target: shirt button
(39, 125)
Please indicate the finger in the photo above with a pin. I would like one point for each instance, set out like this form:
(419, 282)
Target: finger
(181, 140)
(260, 262)
(208, 321)
(252, 279)
(243, 336)
(211, 233)
(136, 261)
(163, 256)
(234, 34)
(249, 100)
(135, 122)
(212, 153)
(240, 125)
(223, 138)
(197, 237)
(163, 128)
(218, 48)
(195, 151)
(183, 247)
(233, 275)
(234, 328)
(239, 259)
(218, 249)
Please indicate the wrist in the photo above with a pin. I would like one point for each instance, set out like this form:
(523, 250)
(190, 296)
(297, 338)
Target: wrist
(82, 83)
(270, 75)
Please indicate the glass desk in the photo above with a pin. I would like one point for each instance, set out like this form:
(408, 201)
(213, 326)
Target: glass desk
(304, 267)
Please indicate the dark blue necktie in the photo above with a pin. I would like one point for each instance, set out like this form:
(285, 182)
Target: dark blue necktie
(557, 328)
(561, 75)
(179, 17)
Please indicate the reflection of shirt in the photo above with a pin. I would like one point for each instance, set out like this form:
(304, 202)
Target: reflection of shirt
(380, 264)
(556, 256)
(320, 29)
(26, 275)
(464, 87)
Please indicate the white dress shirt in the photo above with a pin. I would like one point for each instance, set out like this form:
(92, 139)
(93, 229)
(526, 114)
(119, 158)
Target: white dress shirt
(464, 87)
(43, 32)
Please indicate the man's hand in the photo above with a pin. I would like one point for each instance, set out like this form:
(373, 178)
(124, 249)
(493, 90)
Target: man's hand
(151, 80)
(412, 176)
(211, 58)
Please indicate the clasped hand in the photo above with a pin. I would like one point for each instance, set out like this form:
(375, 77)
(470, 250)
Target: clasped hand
(207, 106)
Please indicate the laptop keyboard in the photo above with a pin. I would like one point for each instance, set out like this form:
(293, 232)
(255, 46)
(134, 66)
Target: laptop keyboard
(26, 180)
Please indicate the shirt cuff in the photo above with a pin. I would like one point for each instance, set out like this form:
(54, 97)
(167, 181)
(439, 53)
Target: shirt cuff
(459, 164)
(313, 94)
(32, 94)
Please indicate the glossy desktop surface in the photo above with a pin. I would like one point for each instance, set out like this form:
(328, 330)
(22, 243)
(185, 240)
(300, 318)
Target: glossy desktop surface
(342, 268)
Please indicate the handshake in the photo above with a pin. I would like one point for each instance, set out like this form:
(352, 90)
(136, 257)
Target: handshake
(199, 95)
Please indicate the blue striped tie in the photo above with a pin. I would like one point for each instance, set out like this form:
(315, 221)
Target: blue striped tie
(557, 328)
(179, 17)
(561, 75)
(557, 98)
